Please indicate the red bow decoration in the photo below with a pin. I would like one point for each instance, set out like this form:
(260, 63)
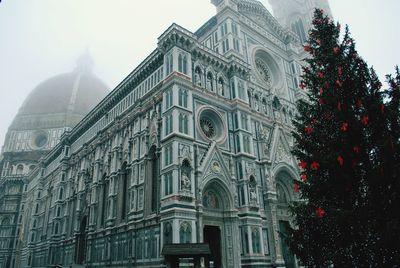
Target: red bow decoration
(320, 212)
(340, 160)
(307, 48)
(303, 177)
(315, 165)
(296, 188)
(303, 164)
(364, 120)
(308, 130)
(344, 126)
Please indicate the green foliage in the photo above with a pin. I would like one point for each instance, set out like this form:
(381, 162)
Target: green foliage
(347, 139)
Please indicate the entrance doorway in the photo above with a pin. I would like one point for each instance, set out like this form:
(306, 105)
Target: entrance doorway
(287, 254)
(212, 236)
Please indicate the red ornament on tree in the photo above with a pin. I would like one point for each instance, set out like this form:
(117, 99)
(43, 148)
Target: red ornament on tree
(320, 212)
(382, 108)
(296, 188)
(340, 71)
(344, 126)
(321, 75)
(315, 165)
(307, 48)
(321, 91)
(308, 130)
(340, 160)
(302, 86)
(303, 164)
(336, 50)
(339, 83)
(356, 149)
(303, 177)
(364, 120)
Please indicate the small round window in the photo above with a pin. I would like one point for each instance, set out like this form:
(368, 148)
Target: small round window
(40, 139)
(211, 124)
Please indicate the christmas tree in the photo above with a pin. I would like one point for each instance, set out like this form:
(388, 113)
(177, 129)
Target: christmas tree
(347, 142)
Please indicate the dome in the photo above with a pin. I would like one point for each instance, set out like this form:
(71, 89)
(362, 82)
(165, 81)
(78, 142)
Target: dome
(61, 101)
(65, 93)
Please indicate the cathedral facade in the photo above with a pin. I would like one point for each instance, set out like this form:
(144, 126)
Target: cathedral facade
(193, 147)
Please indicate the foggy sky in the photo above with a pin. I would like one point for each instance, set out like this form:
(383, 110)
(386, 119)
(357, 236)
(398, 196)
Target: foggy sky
(43, 38)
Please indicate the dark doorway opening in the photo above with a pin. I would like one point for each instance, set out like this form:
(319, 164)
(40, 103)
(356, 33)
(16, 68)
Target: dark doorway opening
(212, 236)
(81, 242)
(287, 254)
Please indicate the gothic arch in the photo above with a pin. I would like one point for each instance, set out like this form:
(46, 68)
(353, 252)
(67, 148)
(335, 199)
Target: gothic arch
(284, 175)
(222, 192)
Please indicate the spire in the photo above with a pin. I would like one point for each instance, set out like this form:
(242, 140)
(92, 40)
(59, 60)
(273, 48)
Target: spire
(84, 62)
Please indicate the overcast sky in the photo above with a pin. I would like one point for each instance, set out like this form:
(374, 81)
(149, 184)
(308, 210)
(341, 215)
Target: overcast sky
(43, 38)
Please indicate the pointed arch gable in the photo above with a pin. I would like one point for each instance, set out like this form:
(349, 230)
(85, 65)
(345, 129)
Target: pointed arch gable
(279, 139)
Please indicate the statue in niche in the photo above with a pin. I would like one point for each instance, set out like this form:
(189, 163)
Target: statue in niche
(209, 82)
(253, 190)
(221, 90)
(185, 181)
(197, 80)
(185, 176)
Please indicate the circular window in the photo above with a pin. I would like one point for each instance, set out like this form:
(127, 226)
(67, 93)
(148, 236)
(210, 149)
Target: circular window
(208, 127)
(263, 71)
(211, 124)
(39, 139)
(266, 69)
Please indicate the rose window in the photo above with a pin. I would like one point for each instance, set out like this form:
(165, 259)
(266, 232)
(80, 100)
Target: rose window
(207, 127)
(210, 125)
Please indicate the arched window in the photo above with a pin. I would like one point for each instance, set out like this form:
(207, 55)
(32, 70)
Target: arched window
(182, 63)
(255, 238)
(31, 168)
(58, 211)
(210, 81)
(61, 194)
(167, 233)
(169, 64)
(241, 90)
(20, 169)
(33, 237)
(34, 225)
(185, 233)
(56, 228)
(37, 209)
(183, 97)
(183, 123)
